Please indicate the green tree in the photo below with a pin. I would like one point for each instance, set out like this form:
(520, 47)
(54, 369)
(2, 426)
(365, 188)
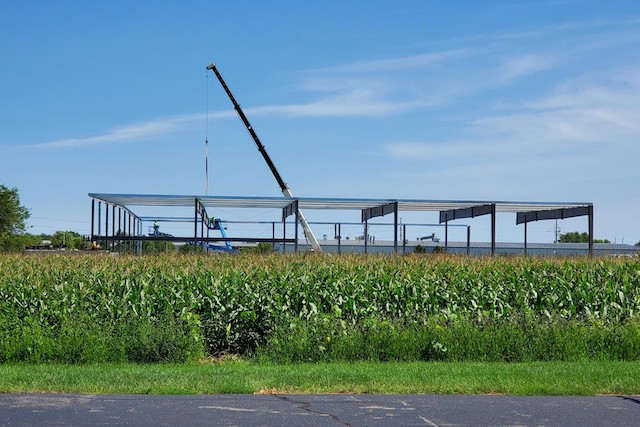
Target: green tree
(12, 213)
(17, 242)
(69, 239)
(12, 218)
(575, 237)
(638, 244)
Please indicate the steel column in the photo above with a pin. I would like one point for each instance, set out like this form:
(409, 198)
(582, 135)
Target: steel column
(468, 240)
(195, 225)
(446, 235)
(525, 239)
(124, 231)
(93, 209)
(493, 229)
(106, 220)
(366, 234)
(113, 226)
(284, 235)
(295, 246)
(339, 239)
(120, 228)
(99, 219)
(590, 214)
(404, 238)
(395, 228)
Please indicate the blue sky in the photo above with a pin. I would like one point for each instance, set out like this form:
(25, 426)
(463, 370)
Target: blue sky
(487, 100)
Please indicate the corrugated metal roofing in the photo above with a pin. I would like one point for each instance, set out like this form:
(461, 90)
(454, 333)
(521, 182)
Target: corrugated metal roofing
(128, 200)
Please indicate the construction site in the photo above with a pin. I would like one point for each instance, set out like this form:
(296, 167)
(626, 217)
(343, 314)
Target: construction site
(132, 219)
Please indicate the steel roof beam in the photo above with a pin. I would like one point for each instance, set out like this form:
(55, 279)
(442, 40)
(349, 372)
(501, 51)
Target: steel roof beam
(377, 211)
(289, 210)
(524, 217)
(470, 212)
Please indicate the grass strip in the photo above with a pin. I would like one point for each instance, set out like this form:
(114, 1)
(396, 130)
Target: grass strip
(537, 378)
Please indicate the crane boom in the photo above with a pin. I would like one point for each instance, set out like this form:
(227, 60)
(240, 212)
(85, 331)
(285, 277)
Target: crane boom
(286, 191)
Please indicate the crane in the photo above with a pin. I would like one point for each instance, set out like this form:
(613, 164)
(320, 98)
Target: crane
(286, 191)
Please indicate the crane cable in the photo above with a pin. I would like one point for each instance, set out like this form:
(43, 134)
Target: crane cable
(206, 139)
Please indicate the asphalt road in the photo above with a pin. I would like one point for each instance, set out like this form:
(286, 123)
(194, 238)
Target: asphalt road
(316, 410)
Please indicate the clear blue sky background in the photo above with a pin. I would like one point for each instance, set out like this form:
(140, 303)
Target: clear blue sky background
(499, 100)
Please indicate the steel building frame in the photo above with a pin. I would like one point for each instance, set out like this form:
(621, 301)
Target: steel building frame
(370, 208)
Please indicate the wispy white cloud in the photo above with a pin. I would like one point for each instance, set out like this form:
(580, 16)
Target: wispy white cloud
(606, 28)
(582, 137)
(136, 132)
(515, 67)
(364, 98)
(357, 102)
(441, 78)
(423, 60)
(576, 112)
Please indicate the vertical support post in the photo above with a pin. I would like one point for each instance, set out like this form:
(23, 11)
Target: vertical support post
(124, 231)
(395, 228)
(493, 229)
(134, 233)
(208, 237)
(366, 234)
(590, 213)
(113, 227)
(106, 221)
(93, 210)
(404, 238)
(99, 219)
(525, 238)
(284, 235)
(129, 244)
(339, 239)
(295, 246)
(273, 234)
(468, 240)
(195, 225)
(120, 227)
(202, 223)
(446, 235)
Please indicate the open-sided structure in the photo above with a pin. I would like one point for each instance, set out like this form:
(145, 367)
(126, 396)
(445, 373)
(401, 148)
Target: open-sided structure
(130, 229)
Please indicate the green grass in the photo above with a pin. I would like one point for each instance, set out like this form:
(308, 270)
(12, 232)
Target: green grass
(536, 378)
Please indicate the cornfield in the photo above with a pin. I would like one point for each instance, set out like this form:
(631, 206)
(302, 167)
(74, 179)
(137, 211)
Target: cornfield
(171, 308)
